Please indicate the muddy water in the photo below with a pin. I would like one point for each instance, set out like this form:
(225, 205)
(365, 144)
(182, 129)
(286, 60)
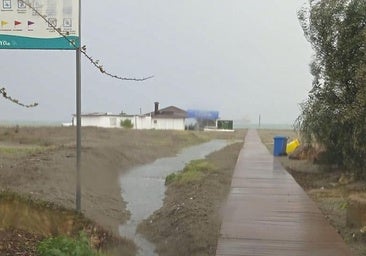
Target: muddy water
(143, 188)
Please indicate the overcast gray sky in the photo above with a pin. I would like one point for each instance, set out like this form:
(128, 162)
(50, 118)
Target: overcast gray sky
(239, 57)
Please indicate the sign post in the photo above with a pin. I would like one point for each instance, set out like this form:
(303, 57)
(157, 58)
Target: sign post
(78, 119)
(46, 24)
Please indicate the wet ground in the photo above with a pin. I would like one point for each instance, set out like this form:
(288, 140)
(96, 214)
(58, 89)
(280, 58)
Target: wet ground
(143, 188)
(189, 221)
(268, 212)
(39, 163)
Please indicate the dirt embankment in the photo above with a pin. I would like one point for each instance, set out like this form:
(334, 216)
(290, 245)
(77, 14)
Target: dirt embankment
(189, 221)
(41, 163)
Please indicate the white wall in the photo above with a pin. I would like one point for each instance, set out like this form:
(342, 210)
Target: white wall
(100, 121)
(167, 124)
(139, 122)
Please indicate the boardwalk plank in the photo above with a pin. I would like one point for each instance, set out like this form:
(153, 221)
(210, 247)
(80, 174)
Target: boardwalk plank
(268, 213)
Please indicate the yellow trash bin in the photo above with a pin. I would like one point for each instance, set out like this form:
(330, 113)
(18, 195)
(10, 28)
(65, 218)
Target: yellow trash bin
(291, 146)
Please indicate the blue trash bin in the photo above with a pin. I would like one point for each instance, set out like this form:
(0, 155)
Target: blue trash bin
(279, 145)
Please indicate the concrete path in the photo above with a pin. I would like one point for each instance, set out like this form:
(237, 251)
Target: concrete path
(268, 213)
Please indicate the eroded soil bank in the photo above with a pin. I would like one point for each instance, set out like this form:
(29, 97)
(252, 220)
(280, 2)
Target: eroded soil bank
(40, 162)
(189, 221)
(25, 222)
(145, 200)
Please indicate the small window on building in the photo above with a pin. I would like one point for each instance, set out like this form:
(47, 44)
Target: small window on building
(155, 121)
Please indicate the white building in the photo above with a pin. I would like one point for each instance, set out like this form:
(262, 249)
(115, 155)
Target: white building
(170, 118)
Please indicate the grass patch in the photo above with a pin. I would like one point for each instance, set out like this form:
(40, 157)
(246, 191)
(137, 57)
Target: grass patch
(66, 246)
(21, 151)
(193, 171)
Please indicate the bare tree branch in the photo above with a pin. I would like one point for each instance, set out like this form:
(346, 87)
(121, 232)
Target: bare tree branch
(83, 49)
(103, 71)
(6, 96)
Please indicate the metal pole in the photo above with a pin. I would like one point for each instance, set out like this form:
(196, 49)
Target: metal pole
(78, 119)
(259, 121)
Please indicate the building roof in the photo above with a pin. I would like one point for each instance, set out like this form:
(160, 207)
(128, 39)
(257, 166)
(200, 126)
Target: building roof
(169, 112)
(98, 114)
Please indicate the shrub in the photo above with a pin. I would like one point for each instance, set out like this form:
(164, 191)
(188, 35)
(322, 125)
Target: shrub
(126, 124)
(66, 246)
(193, 171)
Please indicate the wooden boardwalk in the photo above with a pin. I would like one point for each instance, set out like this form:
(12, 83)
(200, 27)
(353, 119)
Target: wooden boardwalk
(268, 213)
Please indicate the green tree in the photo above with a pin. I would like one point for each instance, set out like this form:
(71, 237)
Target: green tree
(334, 114)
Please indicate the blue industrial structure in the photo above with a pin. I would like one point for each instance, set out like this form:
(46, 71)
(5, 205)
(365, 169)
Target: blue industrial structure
(203, 114)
